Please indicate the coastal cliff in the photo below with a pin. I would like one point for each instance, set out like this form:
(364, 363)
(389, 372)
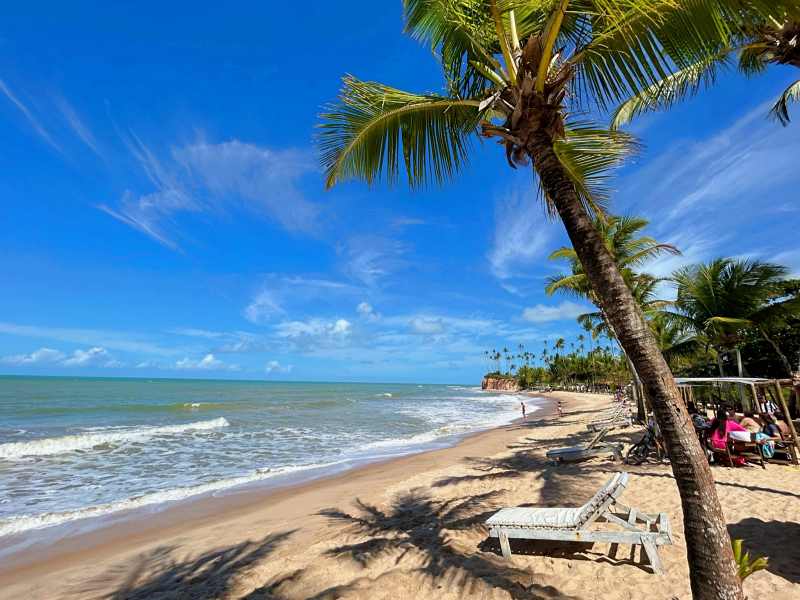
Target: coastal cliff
(500, 384)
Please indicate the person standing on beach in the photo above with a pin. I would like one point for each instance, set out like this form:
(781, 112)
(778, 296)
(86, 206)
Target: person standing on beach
(560, 408)
(522, 404)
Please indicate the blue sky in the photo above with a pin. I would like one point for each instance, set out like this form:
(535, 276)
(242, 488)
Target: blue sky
(163, 212)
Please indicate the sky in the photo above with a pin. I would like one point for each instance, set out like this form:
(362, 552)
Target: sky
(163, 214)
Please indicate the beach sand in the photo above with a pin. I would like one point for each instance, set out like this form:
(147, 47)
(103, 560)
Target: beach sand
(412, 528)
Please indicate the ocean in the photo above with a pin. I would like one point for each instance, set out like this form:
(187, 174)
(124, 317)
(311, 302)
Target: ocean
(74, 448)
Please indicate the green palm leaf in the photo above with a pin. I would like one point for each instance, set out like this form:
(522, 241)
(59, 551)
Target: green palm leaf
(374, 127)
(780, 110)
(589, 155)
(673, 88)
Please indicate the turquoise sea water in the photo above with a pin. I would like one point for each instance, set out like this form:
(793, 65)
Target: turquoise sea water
(72, 448)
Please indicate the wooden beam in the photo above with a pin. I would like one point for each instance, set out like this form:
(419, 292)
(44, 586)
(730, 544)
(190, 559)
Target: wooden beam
(788, 417)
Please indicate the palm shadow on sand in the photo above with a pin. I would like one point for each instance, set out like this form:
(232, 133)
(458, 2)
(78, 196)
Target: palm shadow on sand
(158, 575)
(420, 527)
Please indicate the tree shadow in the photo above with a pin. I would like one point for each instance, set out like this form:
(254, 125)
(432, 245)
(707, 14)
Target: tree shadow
(419, 527)
(158, 575)
(578, 551)
(645, 471)
(777, 540)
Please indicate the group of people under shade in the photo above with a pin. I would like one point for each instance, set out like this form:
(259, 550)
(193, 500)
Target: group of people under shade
(765, 429)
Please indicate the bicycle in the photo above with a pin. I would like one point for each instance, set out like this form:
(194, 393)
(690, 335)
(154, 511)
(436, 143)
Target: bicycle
(650, 444)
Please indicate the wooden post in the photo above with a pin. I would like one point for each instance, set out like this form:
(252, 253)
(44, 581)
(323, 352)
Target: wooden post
(785, 408)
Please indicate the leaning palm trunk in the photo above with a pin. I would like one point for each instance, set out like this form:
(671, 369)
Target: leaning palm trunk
(713, 572)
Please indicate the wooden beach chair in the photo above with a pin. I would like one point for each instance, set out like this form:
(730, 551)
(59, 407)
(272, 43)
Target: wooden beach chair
(595, 447)
(618, 417)
(574, 524)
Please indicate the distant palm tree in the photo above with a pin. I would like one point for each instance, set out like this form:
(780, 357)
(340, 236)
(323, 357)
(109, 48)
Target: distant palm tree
(724, 298)
(627, 246)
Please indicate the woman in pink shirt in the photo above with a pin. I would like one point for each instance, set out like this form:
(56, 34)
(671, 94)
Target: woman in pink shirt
(723, 428)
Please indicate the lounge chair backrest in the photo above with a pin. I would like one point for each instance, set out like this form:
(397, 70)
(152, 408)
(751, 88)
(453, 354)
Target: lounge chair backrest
(605, 495)
(596, 439)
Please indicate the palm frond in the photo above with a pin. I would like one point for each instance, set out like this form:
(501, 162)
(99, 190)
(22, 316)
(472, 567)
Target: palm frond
(780, 111)
(374, 129)
(636, 44)
(673, 88)
(576, 285)
(462, 33)
(589, 155)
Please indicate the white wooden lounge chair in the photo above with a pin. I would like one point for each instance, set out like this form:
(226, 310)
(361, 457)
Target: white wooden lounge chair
(618, 423)
(595, 447)
(618, 417)
(573, 524)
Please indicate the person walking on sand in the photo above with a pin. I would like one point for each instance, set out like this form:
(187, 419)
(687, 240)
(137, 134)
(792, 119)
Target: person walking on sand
(522, 404)
(560, 409)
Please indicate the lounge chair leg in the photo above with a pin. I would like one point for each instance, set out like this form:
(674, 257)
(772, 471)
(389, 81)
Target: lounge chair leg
(652, 555)
(505, 547)
(613, 549)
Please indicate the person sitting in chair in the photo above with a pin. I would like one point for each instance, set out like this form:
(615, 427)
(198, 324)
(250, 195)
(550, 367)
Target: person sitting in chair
(751, 422)
(723, 428)
(698, 420)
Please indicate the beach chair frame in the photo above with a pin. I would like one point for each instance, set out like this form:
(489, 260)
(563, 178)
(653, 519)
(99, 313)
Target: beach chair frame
(637, 528)
(592, 449)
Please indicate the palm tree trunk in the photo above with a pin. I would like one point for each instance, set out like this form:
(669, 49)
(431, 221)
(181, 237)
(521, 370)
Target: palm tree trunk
(711, 565)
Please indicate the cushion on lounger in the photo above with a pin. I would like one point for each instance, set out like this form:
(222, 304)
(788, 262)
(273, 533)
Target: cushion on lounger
(550, 518)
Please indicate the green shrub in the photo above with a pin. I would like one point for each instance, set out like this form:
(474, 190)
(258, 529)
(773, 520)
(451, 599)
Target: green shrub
(745, 565)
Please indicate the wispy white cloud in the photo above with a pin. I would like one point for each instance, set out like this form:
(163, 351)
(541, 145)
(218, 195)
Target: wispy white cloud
(264, 179)
(77, 125)
(274, 367)
(371, 258)
(544, 313)
(400, 222)
(520, 235)
(116, 340)
(42, 356)
(277, 293)
(367, 312)
(719, 174)
(317, 328)
(26, 112)
(263, 307)
(95, 356)
(787, 258)
(204, 177)
(207, 363)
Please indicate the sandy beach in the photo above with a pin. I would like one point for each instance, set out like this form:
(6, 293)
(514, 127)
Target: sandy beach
(413, 528)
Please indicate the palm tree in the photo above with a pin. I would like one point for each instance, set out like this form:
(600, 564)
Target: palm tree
(523, 72)
(630, 250)
(723, 299)
(759, 43)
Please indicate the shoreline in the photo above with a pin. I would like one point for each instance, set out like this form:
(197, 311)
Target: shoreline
(55, 546)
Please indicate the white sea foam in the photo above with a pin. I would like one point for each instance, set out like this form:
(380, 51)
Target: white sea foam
(18, 524)
(111, 435)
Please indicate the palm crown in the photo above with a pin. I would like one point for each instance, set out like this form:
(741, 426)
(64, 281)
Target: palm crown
(516, 70)
(725, 297)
